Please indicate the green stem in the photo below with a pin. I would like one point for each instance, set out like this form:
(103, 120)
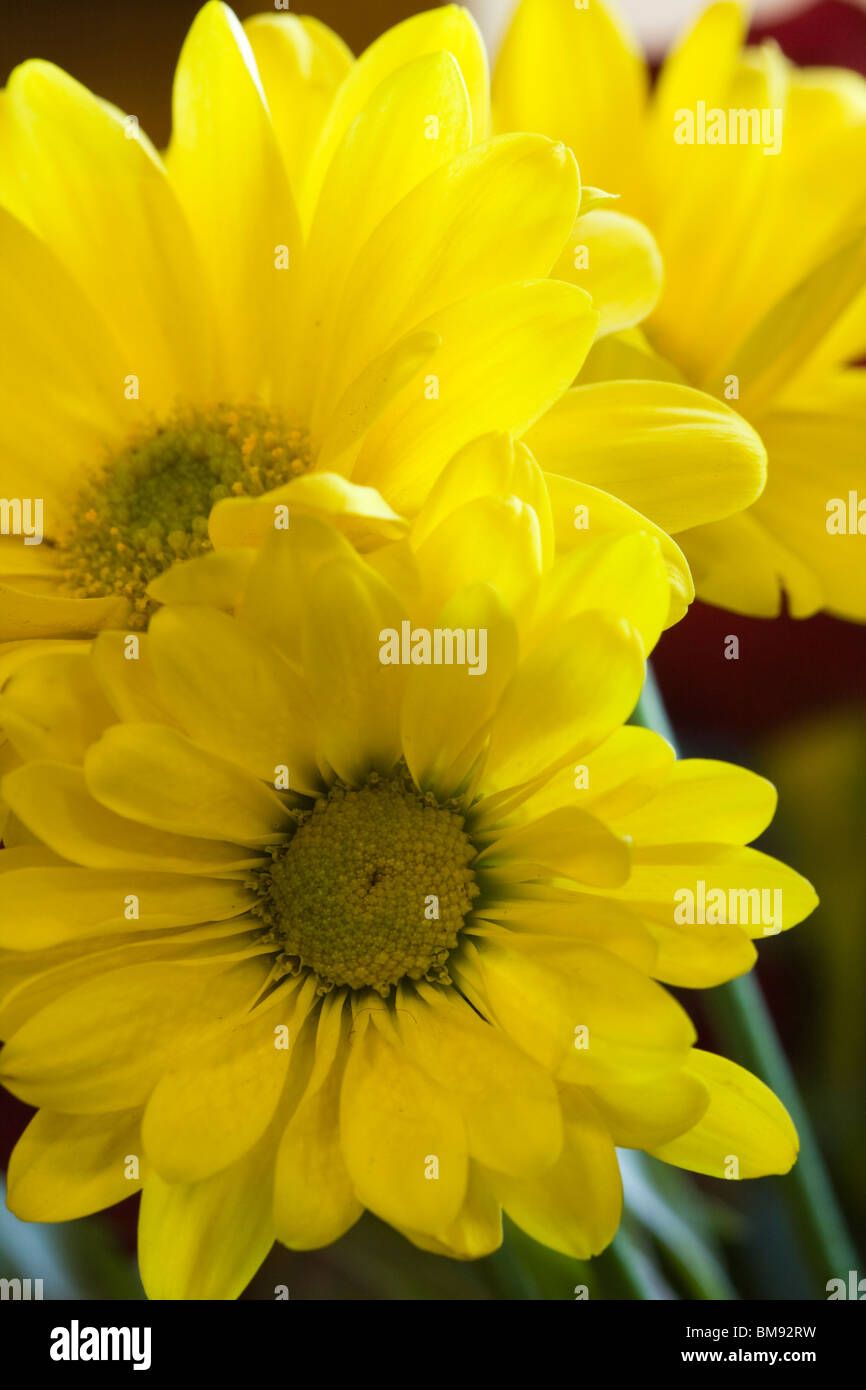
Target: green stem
(745, 1024)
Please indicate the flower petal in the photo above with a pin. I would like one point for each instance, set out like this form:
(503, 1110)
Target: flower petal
(66, 1166)
(674, 454)
(394, 1123)
(745, 1133)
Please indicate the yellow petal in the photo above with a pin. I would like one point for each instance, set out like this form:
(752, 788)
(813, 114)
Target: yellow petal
(43, 906)
(765, 895)
(567, 842)
(361, 512)
(395, 1125)
(158, 777)
(53, 706)
(356, 696)
(314, 1201)
(506, 355)
(595, 1019)
(490, 540)
(503, 209)
(575, 1206)
(63, 373)
(549, 927)
(448, 29)
(642, 1115)
(76, 826)
(808, 510)
(65, 1166)
(218, 577)
(703, 800)
(215, 1105)
(232, 695)
(507, 1101)
(676, 455)
(745, 1133)
(417, 120)
(345, 424)
(576, 75)
(628, 576)
(445, 709)
(578, 509)
(301, 63)
(225, 164)
(28, 616)
(574, 688)
(147, 1013)
(95, 189)
(206, 1240)
(477, 1228)
(616, 260)
(623, 772)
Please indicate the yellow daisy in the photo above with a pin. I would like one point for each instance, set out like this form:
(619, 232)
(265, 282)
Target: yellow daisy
(331, 283)
(749, 172)
(299, 921)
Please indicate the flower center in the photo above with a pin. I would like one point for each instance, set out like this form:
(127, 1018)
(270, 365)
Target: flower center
(372, 888)
(150, 504)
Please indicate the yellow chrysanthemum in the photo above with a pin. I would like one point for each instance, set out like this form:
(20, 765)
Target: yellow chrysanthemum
(304, 931)
(332, 282)
(749, 172)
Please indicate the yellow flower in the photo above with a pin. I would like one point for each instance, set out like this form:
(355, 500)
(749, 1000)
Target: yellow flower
(299, 920)
(332, 282)
(749, 172)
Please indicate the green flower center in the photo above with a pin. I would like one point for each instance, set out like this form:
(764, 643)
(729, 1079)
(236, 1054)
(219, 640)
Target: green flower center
(149, 505)
(372, 888)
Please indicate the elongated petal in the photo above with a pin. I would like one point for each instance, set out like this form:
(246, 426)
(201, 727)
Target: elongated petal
(506, 355)
(356, 695)
(225, 164)
(575, 1206)
(74, 824)
(446, 710)
(314, 1200)
(573, 689)
(703, 800)
(65, 1166)
(507, 1101)
(233, 696)
(575, 74)
(394, 1123)
(161, 778)
(44, 906)
(206, 1240)
(59, 1059)
(616, 260)
(676, 455)
(745, 1133)
(95, 189)
(503, 209)
(211, 1109)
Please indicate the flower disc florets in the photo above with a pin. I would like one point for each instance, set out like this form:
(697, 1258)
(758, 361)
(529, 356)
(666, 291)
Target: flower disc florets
(372, 888)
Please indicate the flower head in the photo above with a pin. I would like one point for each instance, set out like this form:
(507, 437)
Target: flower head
(748, 172)
(330, 284)
(355, 891)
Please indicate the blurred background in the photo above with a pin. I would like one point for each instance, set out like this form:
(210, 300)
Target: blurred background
(793, 707)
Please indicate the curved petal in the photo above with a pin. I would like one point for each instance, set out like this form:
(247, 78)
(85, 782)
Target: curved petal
(677, 455)
(745, 1133)
(66, 1166)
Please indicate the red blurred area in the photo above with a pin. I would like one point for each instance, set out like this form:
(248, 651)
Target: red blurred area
(829, 34)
